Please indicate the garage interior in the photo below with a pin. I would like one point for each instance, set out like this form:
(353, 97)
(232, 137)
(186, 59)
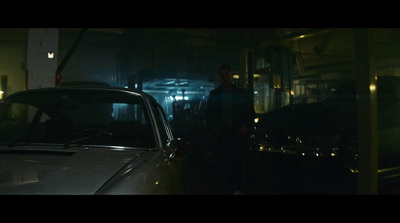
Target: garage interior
(280, 65)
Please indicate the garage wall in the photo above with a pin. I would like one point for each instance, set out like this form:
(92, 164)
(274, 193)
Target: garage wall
(13, 43)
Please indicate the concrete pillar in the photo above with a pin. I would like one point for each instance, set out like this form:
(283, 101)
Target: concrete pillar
(367, 114)
(246, 69)
(42, 53)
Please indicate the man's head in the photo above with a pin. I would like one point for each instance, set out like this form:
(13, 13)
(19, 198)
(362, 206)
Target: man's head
(225, 76)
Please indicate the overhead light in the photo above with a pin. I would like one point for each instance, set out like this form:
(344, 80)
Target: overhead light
(306, 34)
(236, 76)
(50, 55)
(372, 87)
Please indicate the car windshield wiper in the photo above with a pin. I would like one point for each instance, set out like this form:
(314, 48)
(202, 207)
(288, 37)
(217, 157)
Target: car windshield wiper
(87, 134)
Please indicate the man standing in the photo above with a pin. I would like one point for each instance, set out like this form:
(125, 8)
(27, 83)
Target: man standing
(230, 117)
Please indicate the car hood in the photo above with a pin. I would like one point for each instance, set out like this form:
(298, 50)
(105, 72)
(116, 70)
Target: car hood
(52, 170)
(311, 118)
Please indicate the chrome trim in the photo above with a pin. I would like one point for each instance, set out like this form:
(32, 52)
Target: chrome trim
(389, 169)
(18, 146)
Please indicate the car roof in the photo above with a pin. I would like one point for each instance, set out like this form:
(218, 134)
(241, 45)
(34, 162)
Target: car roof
(101, 88)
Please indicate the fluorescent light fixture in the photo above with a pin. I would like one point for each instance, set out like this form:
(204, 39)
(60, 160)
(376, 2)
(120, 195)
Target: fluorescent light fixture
(50, 55)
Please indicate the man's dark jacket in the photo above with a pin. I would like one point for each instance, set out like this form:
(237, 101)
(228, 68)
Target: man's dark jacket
(242, 109)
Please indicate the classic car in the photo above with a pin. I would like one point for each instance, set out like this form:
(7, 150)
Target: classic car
(326, 132)
(88, 140)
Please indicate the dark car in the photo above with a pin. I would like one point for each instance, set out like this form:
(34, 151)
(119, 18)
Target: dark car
(325, 133)
(88, 140)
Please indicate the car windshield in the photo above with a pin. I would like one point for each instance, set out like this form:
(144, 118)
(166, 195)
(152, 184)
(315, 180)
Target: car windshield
(344, 95)
(76, 117)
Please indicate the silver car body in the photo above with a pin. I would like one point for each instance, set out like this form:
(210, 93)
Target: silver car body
(95, 168)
